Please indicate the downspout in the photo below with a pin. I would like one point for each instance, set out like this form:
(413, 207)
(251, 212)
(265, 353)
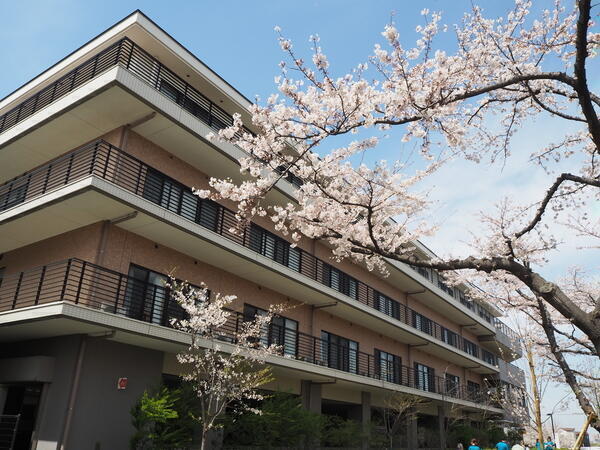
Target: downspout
(73, 393)
(75, 386)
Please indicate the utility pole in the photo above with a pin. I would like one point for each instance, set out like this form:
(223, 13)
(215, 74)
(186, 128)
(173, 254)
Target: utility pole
(552, 422)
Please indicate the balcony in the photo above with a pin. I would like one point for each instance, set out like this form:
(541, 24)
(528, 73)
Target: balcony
(105, 161)
(509, 373)
(82, 283)
(506, 340)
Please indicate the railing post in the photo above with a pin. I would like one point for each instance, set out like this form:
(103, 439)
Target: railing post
(107, 161)
(14, 305)
(157, 82)
(14, 435)
(139, 178)
(66, 280)
(80, 281)
(129, 56)
(39, 289)
(118, 294)
(93, 161)
(69, 167)
(47, 178)
(74, 77)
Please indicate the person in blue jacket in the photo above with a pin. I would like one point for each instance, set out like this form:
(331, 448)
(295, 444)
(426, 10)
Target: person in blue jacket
(502, 445)
(549, 445)
(474, 445)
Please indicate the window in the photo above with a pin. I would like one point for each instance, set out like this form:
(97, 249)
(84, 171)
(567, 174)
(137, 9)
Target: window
(273, 247)
(208, 216)
(444, 287)
(424, 377)
(281, 331)
(473, 391)
(388, 366)
(423, 271)
(386, 305)
(13, 194)
(449, 337)
(422, 323)
(146, 296)
(340, 281)
(162, 191)
(488, 357)
(470, 347)
(339, 353)
(452, 385)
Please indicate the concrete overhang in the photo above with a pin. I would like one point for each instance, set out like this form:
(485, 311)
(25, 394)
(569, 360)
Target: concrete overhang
(111, 100)
(63, 318)
(152, 38)
(92, 199)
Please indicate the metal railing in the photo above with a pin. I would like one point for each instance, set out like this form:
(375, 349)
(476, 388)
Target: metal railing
(83, 283)
(127, 54)
(9, 424)
(431, 275)
(106, 161)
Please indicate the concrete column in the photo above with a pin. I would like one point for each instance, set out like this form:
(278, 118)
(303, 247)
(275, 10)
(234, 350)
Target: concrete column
(442, 426)
(311, 396)
(411, 430)
(365, 398)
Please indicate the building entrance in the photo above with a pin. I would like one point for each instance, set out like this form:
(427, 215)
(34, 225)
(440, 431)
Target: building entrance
(22, 399)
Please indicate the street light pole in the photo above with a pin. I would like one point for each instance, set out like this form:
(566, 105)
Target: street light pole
(552, 421)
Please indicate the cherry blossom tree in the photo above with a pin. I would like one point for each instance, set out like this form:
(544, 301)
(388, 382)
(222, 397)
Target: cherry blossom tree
(467, 103)
(224, 364)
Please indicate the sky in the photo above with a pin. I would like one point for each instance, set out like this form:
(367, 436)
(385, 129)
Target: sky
(236, 39)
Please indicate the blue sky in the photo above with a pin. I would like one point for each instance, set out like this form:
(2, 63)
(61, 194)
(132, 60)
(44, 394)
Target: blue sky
(236, 39)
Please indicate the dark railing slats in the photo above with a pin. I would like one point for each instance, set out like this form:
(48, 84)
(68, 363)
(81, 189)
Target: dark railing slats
(87, 284)
(112, 164)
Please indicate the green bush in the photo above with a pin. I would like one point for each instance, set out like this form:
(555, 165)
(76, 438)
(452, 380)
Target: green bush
(163, 419)
(282, 423)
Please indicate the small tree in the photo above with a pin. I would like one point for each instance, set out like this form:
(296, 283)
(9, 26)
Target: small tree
(225, 366)
(399, 408)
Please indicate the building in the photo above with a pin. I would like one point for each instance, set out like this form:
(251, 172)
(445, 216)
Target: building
(566, 438)
(97, 156)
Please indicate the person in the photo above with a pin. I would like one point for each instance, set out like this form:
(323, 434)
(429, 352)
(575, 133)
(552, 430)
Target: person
(474, 445)
(502, 445)
(538, 445)
(459, 446)
(518, 446)
(549, 445)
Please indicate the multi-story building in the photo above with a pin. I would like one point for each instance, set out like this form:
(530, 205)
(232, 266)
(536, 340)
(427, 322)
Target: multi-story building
(97, 157)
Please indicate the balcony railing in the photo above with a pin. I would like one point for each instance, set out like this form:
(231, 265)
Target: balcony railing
(110, 163)
(127, 54)
(83, 283)
(456, 293)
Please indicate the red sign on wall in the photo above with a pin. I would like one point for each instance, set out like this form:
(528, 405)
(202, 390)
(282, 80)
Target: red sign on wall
(122, 383)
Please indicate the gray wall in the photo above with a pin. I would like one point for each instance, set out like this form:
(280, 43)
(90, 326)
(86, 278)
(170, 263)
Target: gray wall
(55, 395)
(101, 419)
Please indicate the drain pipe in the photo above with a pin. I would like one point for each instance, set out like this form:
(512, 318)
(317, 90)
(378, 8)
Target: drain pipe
(75, 385)
(73, 393)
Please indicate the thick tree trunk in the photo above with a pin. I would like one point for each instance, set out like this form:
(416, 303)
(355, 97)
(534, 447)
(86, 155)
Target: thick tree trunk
(570, 377)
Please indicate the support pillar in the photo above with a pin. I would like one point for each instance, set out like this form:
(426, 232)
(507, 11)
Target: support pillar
(442, 425)
(311, 396)
(365, 398)
(411, 429)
